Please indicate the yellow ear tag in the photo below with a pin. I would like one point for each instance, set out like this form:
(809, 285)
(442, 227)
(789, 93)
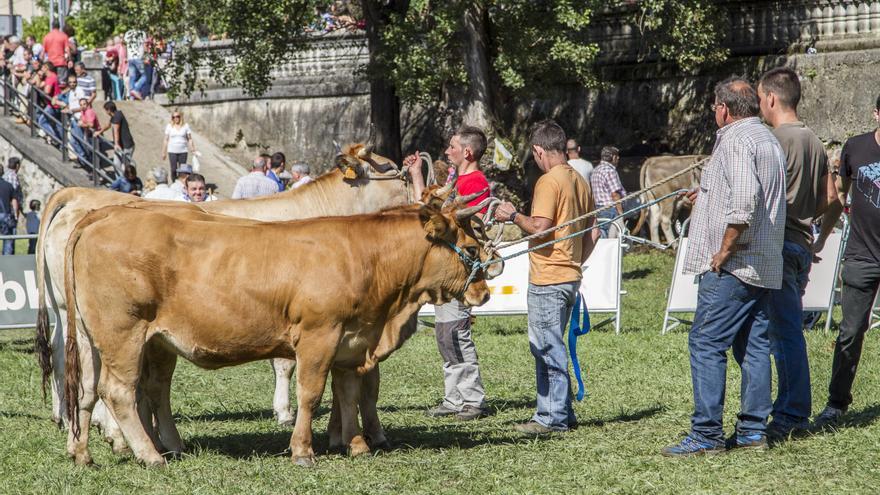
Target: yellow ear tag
(350, 173)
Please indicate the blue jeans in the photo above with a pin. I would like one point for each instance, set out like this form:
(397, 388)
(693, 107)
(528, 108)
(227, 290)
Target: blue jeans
(605, 216)
(50, 127)
(793, 400)
(76, 140)
(140, 76)
(7, 227)
(549, 309)
(730, 313)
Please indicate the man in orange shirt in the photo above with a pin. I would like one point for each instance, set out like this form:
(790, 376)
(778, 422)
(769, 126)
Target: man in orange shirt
(57, 49)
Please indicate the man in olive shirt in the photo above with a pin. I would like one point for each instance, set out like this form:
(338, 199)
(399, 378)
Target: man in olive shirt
(807, 186)
(561, 194)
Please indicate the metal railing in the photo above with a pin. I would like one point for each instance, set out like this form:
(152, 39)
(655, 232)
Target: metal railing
(60, 135)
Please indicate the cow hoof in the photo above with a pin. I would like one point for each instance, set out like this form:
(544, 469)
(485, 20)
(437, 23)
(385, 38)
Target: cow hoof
(120, 448)
(305, 461)
(83, 459)
(358, 447)
(383, 446)
(286, 422)
(155, 462)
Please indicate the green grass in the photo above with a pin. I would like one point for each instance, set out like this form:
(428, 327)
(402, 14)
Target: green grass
(639, 400)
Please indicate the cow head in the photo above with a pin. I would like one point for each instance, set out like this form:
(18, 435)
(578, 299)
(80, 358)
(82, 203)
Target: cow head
(358, 161)
(457, 231)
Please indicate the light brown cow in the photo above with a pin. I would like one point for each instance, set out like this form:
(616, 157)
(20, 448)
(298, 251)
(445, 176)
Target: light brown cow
(661, 215)
(219, 304)
(373, 185)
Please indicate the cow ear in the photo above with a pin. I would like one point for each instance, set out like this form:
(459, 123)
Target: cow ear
(436, 225)
(350, 168)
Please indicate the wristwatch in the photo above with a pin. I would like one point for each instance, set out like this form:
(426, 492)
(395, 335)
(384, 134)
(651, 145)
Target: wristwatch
(512, 217)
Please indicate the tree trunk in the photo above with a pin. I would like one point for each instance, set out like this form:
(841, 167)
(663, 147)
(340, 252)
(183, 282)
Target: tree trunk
(384, 103)
(478, 105)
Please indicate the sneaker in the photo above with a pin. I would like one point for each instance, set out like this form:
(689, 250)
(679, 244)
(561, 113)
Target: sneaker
(758, 441)
(690, 446)
(469, 413)
(828, 419)
(440, 411)
(533, 428)
(783, 430)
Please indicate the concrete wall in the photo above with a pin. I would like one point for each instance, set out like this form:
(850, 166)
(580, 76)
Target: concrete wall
(35, 182)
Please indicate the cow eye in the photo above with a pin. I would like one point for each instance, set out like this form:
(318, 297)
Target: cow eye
(472, 251)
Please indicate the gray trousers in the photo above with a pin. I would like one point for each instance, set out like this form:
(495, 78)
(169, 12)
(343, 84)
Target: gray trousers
(461, 371)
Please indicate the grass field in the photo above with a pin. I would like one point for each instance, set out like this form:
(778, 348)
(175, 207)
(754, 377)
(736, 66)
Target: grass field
(639, 400)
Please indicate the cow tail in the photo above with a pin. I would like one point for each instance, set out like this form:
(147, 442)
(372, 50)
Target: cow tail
(643, 198)
(43, 332)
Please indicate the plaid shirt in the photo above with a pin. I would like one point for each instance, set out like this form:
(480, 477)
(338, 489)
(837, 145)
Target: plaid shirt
(253, 185)
(605, 181)
(744, 183)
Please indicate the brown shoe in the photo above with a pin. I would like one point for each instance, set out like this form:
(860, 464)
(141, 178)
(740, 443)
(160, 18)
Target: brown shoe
(440, 411)
(470, 413)
(533, 428)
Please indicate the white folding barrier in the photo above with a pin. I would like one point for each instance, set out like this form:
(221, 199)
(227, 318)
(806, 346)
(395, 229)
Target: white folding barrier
(875, 313)
(819, 294)
(600, 285)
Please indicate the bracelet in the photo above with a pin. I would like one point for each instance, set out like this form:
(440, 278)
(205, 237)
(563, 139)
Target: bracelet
(512, 217)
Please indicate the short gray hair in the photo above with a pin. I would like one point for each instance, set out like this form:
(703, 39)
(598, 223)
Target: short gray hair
(259, 162)
(548, 135)
(738, 96)
(608, 153)
(300, 168)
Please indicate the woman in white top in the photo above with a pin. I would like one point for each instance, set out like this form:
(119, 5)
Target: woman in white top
(178, 140)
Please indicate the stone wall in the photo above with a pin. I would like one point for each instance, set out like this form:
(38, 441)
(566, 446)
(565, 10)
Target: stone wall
(35, 182)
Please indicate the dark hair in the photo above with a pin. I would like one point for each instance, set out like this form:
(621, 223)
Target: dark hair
(109, 106)
(56, 24)
(50, 66)
(71, 76)
(548, 135)
(130, 172)
(278, 159)
(785, 84)
(877, 105)
(473, 138)
(81, 64)
(738, 96)
(13, 163)
(34, 205)
(196, 178)
(608, 153)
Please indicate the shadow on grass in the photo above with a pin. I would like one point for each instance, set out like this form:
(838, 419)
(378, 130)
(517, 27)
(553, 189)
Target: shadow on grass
(625, 417)
(5, 414)
(257, 415)
(862, 418)
(25, 346)
(637, 273)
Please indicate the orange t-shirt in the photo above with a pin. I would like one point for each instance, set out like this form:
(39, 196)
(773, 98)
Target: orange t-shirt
(560, 195)
(55, 45)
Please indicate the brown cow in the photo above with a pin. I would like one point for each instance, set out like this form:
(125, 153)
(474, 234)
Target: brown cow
(371, 186)
(228, 307)
(661, 215)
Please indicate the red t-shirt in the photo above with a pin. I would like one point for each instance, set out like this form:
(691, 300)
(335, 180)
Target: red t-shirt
(51, 84)
(55, 44)
(472, 183)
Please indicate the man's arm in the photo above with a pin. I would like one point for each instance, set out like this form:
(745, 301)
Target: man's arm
(832, 213)
(116, 139)
(728, 245)
(619, 206)
(589, 241)
(413, 163)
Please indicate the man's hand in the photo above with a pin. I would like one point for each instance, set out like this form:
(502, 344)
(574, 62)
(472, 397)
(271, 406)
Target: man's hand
(504, 211)
(413, 163)
(691, 195)
(117, 147)
(818, 246)
(719, 260)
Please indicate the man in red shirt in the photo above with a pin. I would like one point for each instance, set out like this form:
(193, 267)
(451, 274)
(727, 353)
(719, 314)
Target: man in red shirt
(463, 387)
(57, 48)
(52, 88)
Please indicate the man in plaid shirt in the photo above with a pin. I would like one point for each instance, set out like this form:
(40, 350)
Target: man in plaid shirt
(607, 189)
(735, 249)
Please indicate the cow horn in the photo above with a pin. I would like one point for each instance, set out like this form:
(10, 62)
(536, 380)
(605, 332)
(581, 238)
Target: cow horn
(472, 210)
(444, 191)
(371, 138)
(365, 152)
(463, 200)
(337, 147)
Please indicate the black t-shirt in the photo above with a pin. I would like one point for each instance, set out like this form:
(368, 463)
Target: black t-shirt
(860, 162)
(7, 192)
(125, 139)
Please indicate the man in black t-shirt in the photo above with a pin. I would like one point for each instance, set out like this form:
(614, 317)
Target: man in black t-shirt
(123, 142)
(8, 209)
(859, 165)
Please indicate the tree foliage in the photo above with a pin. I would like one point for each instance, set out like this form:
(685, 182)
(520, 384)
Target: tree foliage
(687, 32)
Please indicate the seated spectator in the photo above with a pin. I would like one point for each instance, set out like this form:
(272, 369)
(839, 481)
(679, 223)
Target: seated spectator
(128, 182)
(83, 131)
(300, 175)
(197, 189)
(179, 185)
(49, 117)
(32, 224)
(277, 164)
(285, 178)
(162, 191)
(85, 81)
(255, 183)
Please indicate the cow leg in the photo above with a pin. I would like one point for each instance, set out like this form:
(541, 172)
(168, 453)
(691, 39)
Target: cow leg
(283, 369)
(159, 365)
(373, 431)
(314, 357)
(654, 223)
(334, 425)
(666, 224)
(102, 418)
(56, 342)
(90, 364)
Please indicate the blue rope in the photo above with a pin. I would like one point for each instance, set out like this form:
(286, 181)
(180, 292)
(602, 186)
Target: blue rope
(577, 328)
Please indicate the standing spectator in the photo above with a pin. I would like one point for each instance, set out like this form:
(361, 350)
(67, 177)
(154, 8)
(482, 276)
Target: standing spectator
(277, 164)
(608, 189)
(123, 142)
(138, 77)
(57, 48)
(9, 206)
(299, 174)
(32, 224)
(197, 190)
(860, 275)
(808, 185)
(85, 81)
(178, 141)
(561, 195)
(736, 237)
(256, 183)
(162, 191)
(464, 396)
(179, 185)
(122, 53)
(128, 182)
(581, 166)
(83, 130)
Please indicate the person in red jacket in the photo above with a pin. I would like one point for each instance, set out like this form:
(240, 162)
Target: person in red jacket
(463, 387)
